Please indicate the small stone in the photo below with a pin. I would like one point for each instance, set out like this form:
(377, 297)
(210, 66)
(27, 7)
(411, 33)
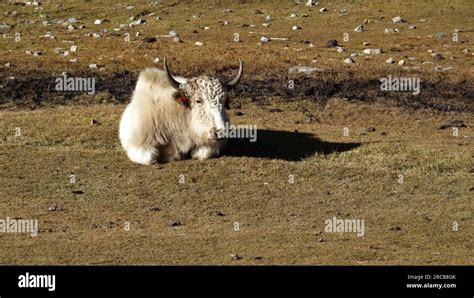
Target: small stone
(390, 61)
(137, 22)
(77, 192)
(389, 30)
(73, 48)
(71, 20)
(154, 209)
(93, 122)
(294, 28)
(263, 39)
(401, 62)
(5, 26)
(37, 53)
(96, 35)
(149, 40)
(97, 22)
(174, 223)
(239, 113)
(7, 65)
(93, 66)
(55, 208)
(172, 34)
(439, 34)
(348, 61)
(293, 15)
(359, 28)
(176, 39)
(340, 49)
(323, 9)
(397, 19)
(365, 44)
(71, 28)
(157, 60)
(331, 43)
(412, 27)
(199, 44)
(66, 53)
(437, 56)
(370, 129)
(235, 257)
(372, 51)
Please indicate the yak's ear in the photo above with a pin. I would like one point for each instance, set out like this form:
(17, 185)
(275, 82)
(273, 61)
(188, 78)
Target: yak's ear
(181, 98)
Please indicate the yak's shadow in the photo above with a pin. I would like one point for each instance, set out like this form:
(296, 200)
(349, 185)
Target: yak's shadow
(285, 145)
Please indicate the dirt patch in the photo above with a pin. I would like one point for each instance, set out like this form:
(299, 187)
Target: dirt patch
(34, 89)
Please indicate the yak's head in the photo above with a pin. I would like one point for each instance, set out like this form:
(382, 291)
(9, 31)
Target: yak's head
(207, 98)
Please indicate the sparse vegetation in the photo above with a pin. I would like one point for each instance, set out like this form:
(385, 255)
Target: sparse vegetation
(117, 212)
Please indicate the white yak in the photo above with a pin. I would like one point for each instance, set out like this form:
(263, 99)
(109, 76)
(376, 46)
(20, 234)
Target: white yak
(170, 118)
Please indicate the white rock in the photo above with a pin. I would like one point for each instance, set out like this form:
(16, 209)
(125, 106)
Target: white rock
(359, 28)
(397, 19)
(66, 53)
(73, 60)
(366, 44)
(323, 9)
(340, 49)
(390, 61)
(176, 39)
(268, 18)
(93, 66)
(353, 55)
(71, 28)
(130, 7)
(96, 35)
(263, 39)
(137, 22)
(97, 22)
(372, 51)
(303, 69)
(8, 65)
(412, 27)
(157, 60)
(401, 62)
(348, 61)
(294, 28)
(309, 3)
(198, 43)
(293, 15)
(71, 20)
(172, 34)
(73, 48)
(389, 30)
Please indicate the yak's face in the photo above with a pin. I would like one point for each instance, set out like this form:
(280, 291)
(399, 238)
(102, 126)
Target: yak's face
(207, 99)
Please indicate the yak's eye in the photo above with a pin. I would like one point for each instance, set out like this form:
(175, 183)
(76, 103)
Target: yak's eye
(198, 101)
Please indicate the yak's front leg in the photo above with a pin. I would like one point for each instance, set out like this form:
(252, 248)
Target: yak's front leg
(204, 152)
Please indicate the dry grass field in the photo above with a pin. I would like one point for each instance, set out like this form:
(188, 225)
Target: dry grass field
(333, 146)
